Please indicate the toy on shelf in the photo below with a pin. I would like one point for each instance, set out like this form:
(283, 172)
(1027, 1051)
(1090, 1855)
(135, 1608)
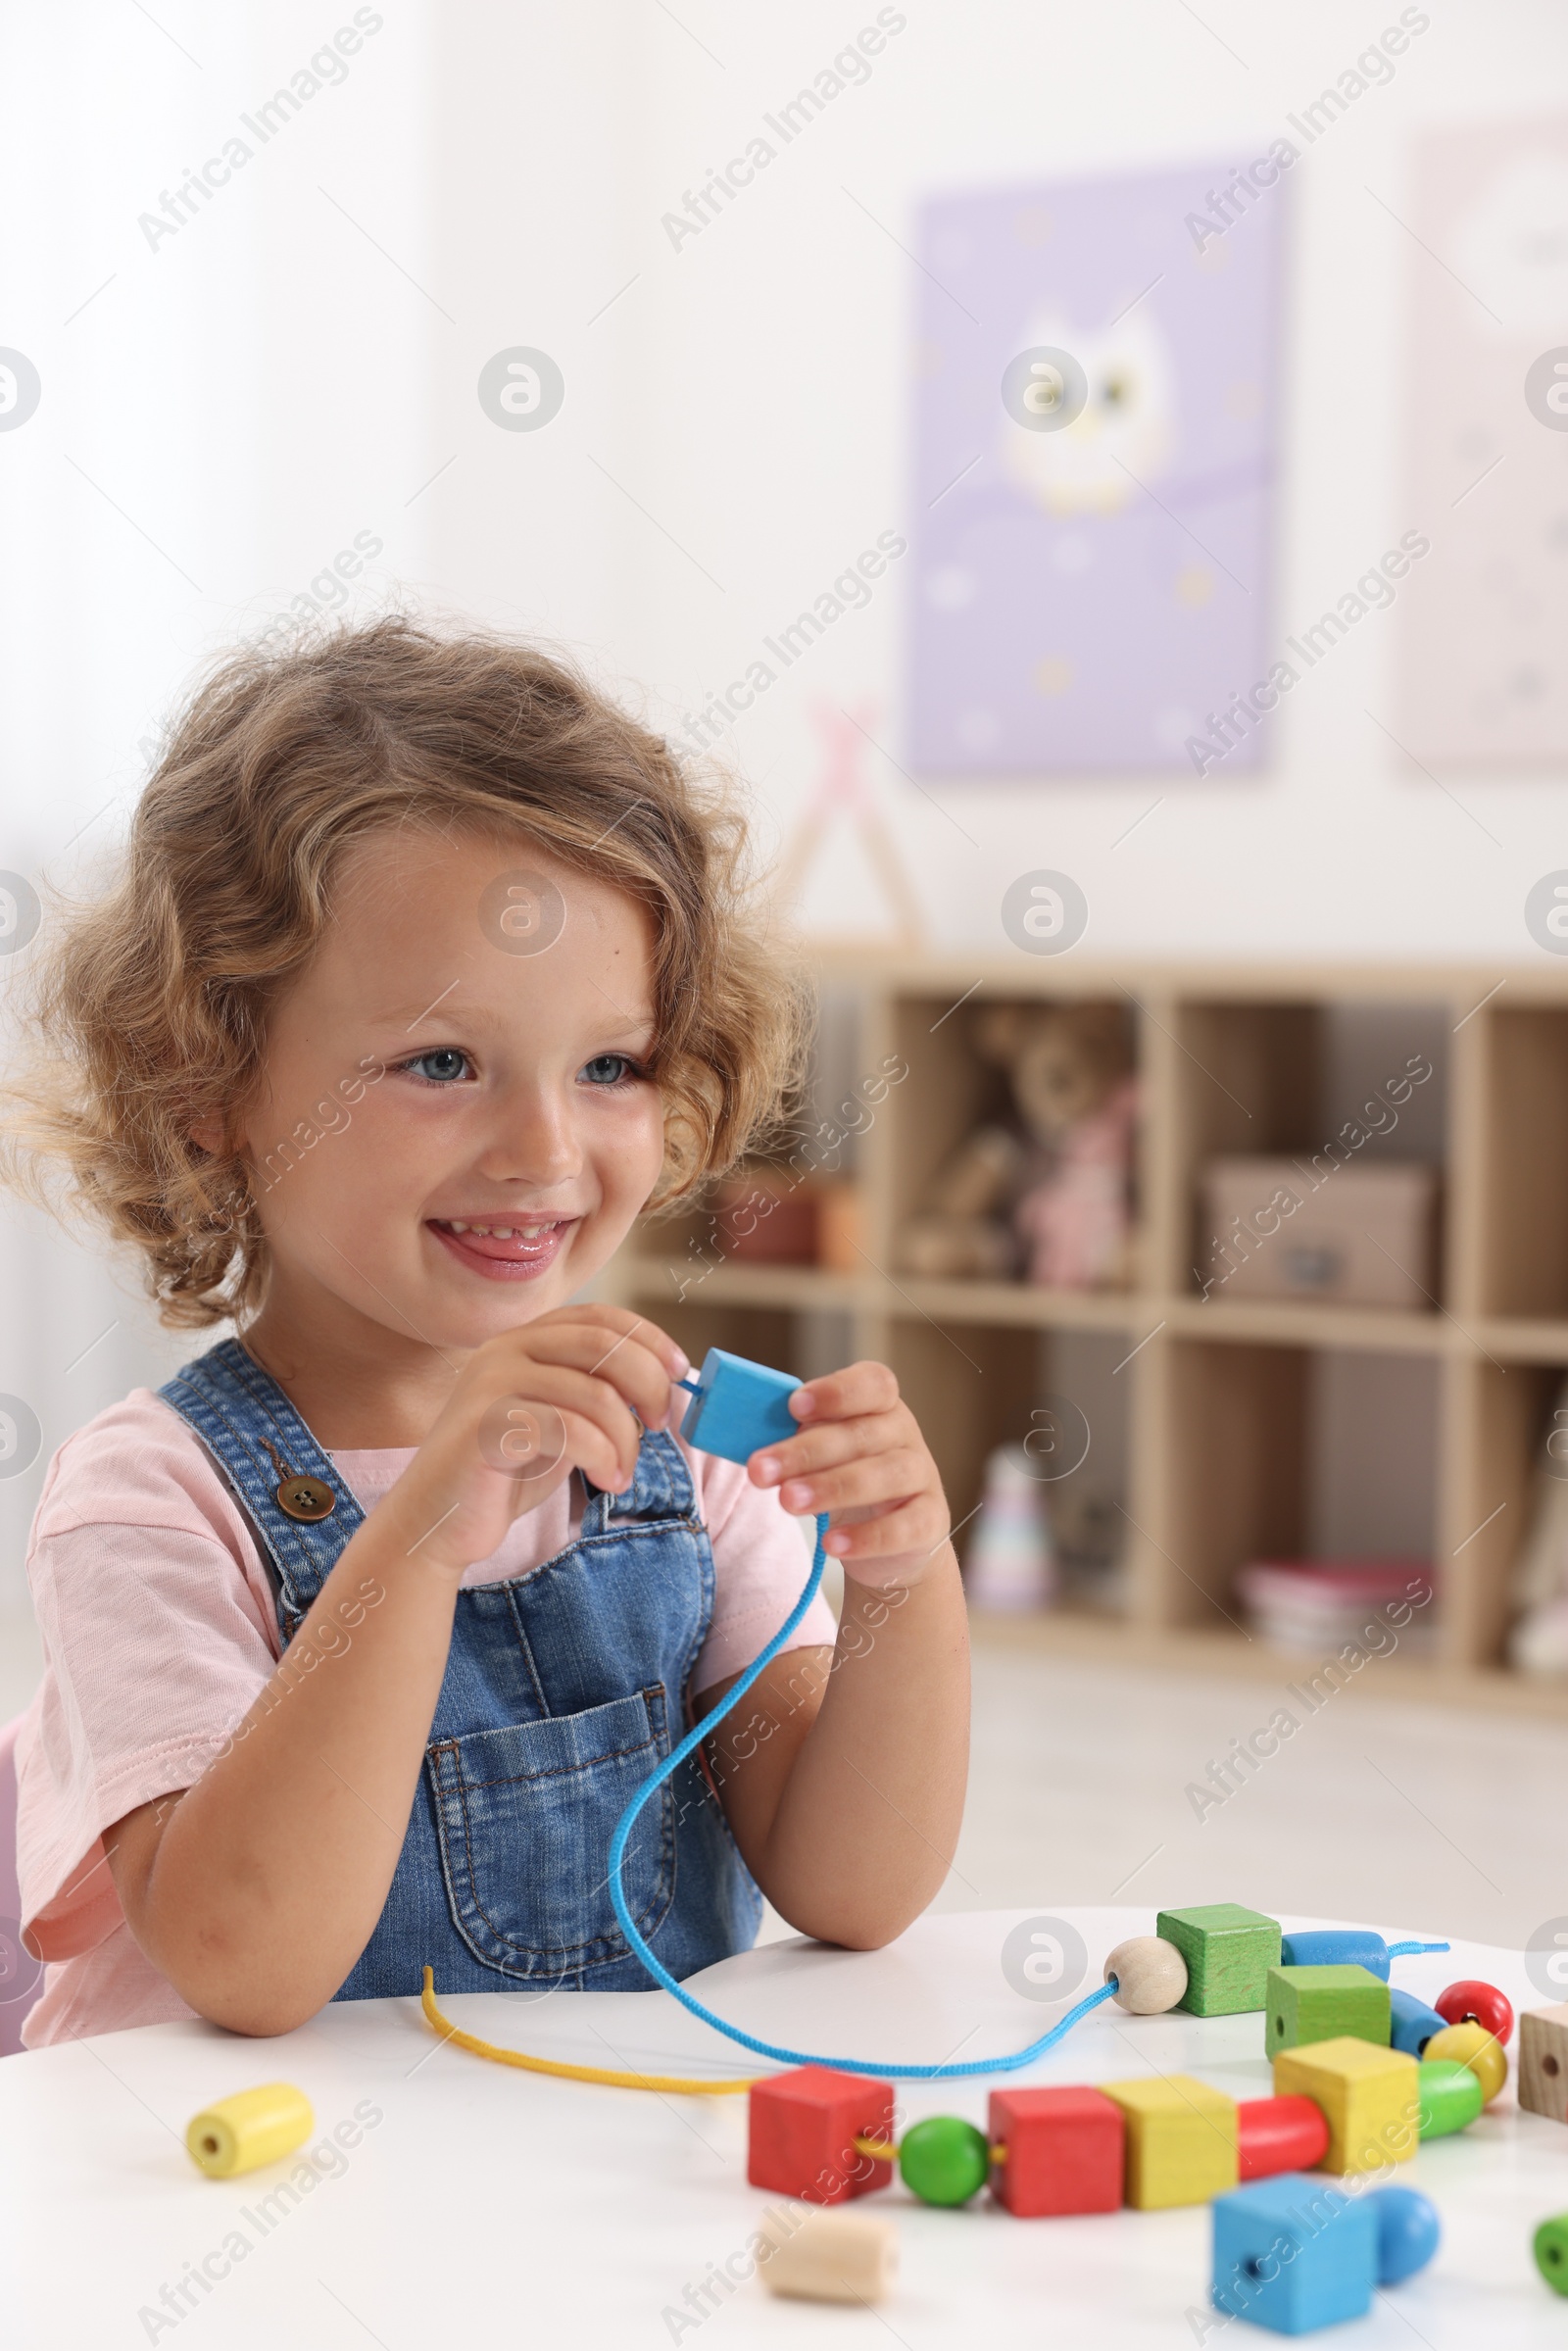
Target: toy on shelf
(1294, 2254)
(1048, 1197)
(1539, 1640)
(1009, 1564)
(252, 2128)
(1544, 2062)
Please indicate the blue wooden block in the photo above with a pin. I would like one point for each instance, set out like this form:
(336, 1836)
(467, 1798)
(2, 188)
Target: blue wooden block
(737, 1407)
(1408, 2231)
(1411, 2022)
(1293, 2253)
(1336, 1946)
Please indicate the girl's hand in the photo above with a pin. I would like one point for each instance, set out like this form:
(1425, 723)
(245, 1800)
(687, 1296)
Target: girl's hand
(861, 1457)
(565, 1393)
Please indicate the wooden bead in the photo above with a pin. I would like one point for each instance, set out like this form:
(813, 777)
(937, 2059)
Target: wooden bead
(1411, 2022)
(944, 2160)
(1472, 2002)
(1151, 1974)
(1448, 2097)
(1279, 2134)
(1551, 2252)
(1474, 2046)
(1336, 1946)
(1408, 2232)
(253, 2127)
(1544, 2062)
(828, 2256)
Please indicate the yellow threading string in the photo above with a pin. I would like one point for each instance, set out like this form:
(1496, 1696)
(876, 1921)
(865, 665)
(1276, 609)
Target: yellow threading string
(571, 2073)
(883, 2150)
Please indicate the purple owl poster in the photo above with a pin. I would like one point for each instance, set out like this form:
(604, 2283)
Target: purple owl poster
(1087, 594)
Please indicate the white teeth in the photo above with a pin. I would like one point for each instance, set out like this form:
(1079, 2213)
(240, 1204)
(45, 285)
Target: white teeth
(500, 1232)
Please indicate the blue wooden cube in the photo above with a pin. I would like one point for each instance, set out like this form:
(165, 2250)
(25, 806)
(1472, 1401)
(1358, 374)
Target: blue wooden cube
(1293, 2253)
(737, 1406)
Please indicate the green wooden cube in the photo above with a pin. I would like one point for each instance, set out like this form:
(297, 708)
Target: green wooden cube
(1228, 1950)
(1306, 2004)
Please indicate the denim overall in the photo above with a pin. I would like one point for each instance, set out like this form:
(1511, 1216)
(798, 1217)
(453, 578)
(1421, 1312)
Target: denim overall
(562, 1689)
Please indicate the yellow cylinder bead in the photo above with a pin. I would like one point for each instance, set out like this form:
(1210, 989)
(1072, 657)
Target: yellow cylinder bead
(1474, 2046)
(252, 2128)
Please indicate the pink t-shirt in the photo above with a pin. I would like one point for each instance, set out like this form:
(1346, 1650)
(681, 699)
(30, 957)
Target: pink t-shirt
(160, 1630)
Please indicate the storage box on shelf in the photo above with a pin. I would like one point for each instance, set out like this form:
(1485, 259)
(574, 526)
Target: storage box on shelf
(1216, 1390)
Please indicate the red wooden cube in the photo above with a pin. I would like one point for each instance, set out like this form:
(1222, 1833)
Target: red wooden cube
(1064, 2150)
(803, 2126)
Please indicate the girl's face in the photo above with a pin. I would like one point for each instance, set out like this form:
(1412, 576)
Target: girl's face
(454, 1128)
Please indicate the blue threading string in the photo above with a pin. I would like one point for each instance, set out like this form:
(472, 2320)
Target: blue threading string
(1010, 2064)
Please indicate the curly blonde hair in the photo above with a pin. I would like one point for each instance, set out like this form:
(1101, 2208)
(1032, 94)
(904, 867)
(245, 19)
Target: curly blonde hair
(148, 1009)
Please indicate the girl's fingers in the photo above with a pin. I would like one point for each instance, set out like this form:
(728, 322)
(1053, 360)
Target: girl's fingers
(825, 1447)
(590, 1401)
(616, 1323)
(898, 1475)
(863, 1388)
(618, 1359)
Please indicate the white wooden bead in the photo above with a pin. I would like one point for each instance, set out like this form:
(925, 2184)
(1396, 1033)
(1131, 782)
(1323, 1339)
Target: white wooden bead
(830, 2256)
(1151, 1974)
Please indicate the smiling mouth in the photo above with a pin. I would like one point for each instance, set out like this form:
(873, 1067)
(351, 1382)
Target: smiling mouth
(509, 1248)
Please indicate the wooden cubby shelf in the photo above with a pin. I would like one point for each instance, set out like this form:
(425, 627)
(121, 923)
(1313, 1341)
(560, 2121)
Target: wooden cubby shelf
(1215, 1418)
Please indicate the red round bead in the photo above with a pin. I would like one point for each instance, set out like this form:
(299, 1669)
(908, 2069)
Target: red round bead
(1480, 2003)
(1279, 2134)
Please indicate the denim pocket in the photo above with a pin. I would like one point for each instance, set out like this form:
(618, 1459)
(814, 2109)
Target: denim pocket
(526, 1815)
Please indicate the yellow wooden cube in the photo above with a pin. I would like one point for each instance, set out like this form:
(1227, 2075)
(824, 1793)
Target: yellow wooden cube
(1369, 2095)
(1181, 2139)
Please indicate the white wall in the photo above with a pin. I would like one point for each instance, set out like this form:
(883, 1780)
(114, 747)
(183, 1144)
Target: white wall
(755, 387)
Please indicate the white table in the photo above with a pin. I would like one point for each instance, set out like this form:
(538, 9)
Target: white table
(493, 2208)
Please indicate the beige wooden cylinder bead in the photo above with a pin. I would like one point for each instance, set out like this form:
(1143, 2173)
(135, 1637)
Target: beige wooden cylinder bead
(1151, 1974)
(829, 2256)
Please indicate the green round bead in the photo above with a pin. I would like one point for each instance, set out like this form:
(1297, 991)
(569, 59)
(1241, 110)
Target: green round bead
(1450, 2096)
(1551, 2252)
(944, 2161)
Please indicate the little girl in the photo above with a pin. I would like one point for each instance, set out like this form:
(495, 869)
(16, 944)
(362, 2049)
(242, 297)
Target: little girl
(427, 972)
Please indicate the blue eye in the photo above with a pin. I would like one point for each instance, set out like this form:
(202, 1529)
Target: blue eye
(440, 1066)
(609, 1069)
